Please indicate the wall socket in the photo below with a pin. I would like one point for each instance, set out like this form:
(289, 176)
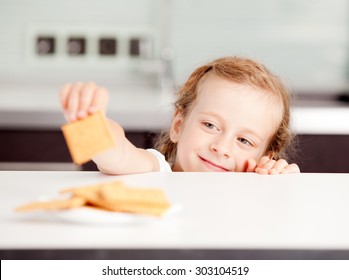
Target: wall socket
(45, 45)
(108, 46)
(60, 45)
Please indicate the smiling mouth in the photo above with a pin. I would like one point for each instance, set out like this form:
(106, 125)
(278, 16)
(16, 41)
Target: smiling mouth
(211, 165)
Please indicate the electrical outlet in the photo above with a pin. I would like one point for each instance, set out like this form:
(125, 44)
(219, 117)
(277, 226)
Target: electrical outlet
(76, 46)
(90, 47)
(141, 47)
(134, 47)
(45, 45)
(108, 46)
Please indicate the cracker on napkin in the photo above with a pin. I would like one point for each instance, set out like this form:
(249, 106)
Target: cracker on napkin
(88, 137)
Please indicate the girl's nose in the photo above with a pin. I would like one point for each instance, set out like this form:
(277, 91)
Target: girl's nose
(222, 148)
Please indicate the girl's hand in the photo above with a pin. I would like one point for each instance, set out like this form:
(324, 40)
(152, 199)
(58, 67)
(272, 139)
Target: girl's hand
(269, 166)
(79, 100)
(265, 166)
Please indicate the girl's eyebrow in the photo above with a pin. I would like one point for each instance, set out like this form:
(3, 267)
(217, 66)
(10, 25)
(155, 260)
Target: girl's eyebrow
(213, 114)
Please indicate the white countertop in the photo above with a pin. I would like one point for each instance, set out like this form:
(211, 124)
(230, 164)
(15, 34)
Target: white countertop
(140, 108)
(220, 211)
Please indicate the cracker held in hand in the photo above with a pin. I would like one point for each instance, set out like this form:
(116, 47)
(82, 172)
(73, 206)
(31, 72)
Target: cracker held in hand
(87, 137)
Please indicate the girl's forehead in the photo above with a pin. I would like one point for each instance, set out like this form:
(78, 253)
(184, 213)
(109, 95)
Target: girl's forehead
(212, 86)
(225, 97)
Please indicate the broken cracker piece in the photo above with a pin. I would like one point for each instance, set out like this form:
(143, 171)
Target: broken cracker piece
(87, 137)
(92, 192)
(69, 203)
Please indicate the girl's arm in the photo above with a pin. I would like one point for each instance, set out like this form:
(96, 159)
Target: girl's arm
(125, 158)
(82, 99)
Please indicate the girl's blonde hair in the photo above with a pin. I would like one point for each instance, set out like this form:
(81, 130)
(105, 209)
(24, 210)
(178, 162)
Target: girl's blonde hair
(242, 71)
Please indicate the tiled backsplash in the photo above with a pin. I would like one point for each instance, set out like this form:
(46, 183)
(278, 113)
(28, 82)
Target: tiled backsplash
(304, 41)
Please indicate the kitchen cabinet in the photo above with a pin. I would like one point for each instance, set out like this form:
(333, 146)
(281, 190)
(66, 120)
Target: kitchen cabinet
(323, 153)
(48, 146)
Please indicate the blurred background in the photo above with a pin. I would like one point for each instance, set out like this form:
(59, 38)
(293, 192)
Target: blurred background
(142, 50)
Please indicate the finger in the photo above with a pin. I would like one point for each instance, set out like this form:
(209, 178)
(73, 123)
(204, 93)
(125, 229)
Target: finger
(64, 95)
(73, 101)
(263, 160)
(278, 166)
(86, 96)
(265, 168)
(261, 171)
(99, 100)
(250, 165)
(291, 168)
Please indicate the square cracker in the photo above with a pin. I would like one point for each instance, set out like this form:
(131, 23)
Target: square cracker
(88, 137)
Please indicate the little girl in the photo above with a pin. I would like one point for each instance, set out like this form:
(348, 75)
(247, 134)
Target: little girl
(230, 115)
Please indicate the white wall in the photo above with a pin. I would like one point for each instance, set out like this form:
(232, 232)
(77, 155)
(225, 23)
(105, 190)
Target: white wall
(304, 41)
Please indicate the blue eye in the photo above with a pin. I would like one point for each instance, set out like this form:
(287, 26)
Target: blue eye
(209, 125)
(245, 141)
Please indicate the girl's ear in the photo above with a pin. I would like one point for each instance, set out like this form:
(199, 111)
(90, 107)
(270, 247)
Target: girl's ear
(176, 126)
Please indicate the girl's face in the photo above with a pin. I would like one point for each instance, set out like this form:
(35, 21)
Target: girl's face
(229, 124)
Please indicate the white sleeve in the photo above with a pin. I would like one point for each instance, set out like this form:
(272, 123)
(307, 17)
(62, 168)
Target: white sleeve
(164, 165)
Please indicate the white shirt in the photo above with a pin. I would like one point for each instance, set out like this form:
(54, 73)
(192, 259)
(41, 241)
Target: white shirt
(164, 165)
